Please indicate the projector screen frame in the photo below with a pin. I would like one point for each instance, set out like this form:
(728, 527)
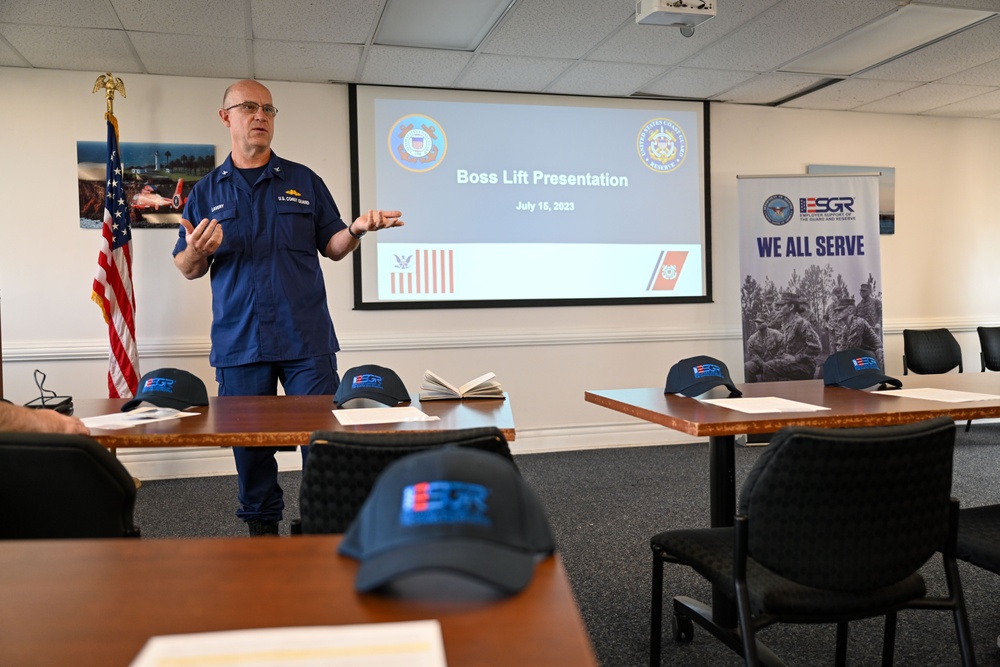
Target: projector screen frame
(360, 303)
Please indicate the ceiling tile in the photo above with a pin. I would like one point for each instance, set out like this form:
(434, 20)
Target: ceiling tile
(849, 94)
(768, 88)
(489, 72)
(187, 55)
(983, 106)
(557, 28)
(969, 48)
(399, 66)
(923, 98)
(767, 42)
(305, 61)
(77, 14)
(695, 83)
(9, 57)
(219, 18)
(591, 78)
(344, 21)
(987, 74)
(73, 48)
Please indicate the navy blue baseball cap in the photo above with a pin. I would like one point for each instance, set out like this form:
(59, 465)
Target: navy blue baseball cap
(855, 369)
(696, 375)
(374, 382)
(169, 388)
(454, 510)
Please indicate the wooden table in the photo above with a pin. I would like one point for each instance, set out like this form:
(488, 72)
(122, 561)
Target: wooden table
(271, 421)
(96, 602)
(848, 408)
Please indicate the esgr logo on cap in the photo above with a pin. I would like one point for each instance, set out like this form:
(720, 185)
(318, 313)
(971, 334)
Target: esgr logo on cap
(707, 370)
(865, 364)
(367, 381)
(164, 385)
(443, 501)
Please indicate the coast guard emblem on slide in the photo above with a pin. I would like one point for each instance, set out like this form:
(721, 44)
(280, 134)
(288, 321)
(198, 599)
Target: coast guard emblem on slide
(417, 143)
(778, 209)
(662, 145)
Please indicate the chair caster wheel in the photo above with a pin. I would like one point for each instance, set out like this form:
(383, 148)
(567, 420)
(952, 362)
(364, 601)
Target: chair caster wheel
(682, 627)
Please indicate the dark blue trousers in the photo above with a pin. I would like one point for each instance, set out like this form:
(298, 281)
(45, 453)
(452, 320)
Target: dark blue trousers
(260, 495)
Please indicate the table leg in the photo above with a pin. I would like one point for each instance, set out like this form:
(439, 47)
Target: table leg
(722, 466)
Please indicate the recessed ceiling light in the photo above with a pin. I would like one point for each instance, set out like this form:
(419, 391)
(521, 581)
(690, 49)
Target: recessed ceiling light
(903, 31)
(459, 25)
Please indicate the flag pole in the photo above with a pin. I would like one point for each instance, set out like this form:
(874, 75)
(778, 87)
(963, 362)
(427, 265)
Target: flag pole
(112, 289)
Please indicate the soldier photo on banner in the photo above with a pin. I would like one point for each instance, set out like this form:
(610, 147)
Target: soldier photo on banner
(811, 273)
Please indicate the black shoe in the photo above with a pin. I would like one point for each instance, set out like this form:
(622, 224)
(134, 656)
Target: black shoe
(258, 527)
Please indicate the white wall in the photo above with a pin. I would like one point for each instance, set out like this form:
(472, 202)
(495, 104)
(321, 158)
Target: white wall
(937, 268)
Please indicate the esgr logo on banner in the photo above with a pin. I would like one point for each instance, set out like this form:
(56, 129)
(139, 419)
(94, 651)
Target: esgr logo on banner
(827, 208)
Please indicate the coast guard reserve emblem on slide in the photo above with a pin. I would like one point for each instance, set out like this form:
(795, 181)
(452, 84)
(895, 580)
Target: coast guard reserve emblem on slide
(662, 145)
(417, 143)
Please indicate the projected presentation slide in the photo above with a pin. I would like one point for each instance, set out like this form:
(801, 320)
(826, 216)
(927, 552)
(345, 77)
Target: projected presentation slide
(530, 200)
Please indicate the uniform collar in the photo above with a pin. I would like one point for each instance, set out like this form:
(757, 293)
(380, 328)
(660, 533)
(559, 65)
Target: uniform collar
(275, 168)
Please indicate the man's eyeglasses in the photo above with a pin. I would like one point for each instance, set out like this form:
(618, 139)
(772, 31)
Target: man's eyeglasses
(251, 107)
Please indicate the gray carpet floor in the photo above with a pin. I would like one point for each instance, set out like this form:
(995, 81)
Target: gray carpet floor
(605, 504)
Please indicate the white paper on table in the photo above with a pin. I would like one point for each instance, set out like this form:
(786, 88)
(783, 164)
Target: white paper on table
(413, 643)
(361, 416)
(764, 404)
(945, 395)
(141, 415)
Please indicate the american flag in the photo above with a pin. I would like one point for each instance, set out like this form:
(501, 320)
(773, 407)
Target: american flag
(433, 273)
(113, 282)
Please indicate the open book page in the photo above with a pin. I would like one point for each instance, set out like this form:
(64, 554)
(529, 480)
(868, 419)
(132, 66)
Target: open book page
(437, 388)
(484, 384)
(437, 384)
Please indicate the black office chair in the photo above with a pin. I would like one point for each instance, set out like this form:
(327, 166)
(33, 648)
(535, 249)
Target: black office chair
(979, 536)
(833, 525)
(63, 486)
(931, 352)
(989, 343)
(342, 468)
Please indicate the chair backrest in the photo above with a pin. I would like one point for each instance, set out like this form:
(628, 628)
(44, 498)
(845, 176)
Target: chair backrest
(63, 486)
(989, 342)
(341, 468)
(930, 351)
(850, 509)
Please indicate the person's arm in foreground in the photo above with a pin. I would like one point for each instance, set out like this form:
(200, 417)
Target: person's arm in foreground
(17, 418)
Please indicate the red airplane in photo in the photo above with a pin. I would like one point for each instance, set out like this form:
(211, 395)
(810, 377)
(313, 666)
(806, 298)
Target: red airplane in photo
(149, 198)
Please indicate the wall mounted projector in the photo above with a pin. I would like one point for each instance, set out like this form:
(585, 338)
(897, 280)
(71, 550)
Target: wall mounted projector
(683, 14)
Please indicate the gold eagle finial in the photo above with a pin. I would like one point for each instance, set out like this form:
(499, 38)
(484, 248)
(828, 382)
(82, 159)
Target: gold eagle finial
(110, 84)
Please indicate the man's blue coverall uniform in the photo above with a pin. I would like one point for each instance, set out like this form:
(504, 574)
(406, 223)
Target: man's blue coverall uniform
(270, 319)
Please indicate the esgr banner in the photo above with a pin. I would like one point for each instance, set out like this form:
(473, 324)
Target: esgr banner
(809, 258)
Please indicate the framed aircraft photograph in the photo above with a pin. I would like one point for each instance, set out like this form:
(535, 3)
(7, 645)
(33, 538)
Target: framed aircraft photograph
(158, 178)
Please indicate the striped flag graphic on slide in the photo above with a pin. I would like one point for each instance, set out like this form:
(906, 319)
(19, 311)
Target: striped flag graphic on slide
(429, 272)
(667, 271)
